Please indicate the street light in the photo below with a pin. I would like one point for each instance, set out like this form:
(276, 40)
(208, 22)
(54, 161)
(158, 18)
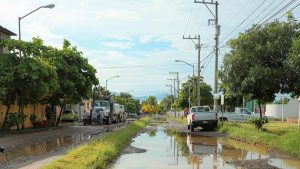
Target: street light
(187, 64)
(50, 6)
(108, 80)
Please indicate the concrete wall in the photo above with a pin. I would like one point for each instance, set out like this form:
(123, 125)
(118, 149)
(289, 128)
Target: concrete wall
(38, 110)
(289, 110)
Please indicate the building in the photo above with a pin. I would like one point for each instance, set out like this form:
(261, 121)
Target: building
(290, 110)
(5, 34)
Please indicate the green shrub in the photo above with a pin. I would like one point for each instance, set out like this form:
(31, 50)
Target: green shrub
(258, 122)
(32, 117)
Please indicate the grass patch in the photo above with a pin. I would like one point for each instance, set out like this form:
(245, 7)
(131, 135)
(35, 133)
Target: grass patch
(283, 137)
(102, 152)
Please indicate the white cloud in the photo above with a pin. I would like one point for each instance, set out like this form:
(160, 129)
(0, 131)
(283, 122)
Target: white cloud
(118, 14)
(146, 38)
(121, 45)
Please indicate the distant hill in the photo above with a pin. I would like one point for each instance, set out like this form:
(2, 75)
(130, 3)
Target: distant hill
(159, 97)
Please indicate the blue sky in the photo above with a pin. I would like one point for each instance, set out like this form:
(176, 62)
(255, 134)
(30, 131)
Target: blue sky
(136, 39)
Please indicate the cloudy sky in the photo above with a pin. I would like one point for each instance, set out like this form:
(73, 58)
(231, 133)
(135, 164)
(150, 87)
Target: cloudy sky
(138, 39)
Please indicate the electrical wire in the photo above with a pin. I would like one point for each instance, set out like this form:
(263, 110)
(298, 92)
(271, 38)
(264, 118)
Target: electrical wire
(243, 21)
(264, 10)
(278, 12)
(288, 11)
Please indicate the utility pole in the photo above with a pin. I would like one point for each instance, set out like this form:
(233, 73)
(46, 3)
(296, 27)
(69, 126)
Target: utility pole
(217, 34)
(174, 80)
(189, 93)
(177, 79)
(171, 95)
(198, 47)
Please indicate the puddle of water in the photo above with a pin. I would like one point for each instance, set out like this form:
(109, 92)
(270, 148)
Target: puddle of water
(42, 148)
(165, 150)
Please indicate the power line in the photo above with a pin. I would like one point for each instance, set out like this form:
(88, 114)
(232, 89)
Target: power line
(244, 20)
(138, 66)
(271, 11)
(264, 10)
(289, 10)
(142, 75)
(278, 12)
(191, 11)
(207, 64)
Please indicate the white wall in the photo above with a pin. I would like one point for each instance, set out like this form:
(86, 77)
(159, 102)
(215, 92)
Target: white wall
(289, 110)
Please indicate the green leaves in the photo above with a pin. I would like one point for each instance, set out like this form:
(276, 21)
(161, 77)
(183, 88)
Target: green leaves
(263, 61)
(44, 74)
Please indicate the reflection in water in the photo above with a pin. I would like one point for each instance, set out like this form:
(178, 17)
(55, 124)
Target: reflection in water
(169, 150)
(43, 147)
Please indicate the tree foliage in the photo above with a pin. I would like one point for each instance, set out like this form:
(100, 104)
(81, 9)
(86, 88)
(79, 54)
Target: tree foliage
(206, 97)
(126, 99)
(258, 65)
(150, 105)
(32, 72)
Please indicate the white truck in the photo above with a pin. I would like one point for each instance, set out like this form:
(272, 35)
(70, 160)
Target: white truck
(240, 115)
(111, 111)
(202, 116)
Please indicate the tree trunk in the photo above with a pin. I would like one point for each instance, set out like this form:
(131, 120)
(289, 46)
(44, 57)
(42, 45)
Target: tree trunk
(58, 120)
(6, 114)
(260, 114)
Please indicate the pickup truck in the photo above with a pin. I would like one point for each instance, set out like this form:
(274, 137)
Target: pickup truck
(240, 115)
(202, 116)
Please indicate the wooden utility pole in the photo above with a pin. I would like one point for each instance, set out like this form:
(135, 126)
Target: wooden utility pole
(217, 34)
(198, 47)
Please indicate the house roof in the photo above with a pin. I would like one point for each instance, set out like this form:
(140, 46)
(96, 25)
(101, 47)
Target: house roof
(6, 31)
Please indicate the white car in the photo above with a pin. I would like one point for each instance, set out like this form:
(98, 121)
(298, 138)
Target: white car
(202, 116)
(240, 115)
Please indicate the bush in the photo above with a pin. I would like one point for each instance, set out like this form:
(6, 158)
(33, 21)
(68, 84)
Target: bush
(32, 118)
(258, 122)
(12, 120)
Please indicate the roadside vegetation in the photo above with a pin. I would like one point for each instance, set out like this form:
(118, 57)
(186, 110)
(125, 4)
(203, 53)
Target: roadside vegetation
(102, 152)
(33, 73)
(263, 61)
(280, 136)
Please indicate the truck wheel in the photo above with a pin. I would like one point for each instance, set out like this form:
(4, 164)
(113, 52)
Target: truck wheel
(189, 127)
(109, 120)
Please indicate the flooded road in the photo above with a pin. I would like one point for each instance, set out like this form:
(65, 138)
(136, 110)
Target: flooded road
(183, 151)
(25, 149)
(44, 147)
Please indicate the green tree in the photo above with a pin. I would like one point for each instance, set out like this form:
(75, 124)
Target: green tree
(30, 79)
(150, 105)
(75, 76)
(165, 103)
(126, 99)
(206, 97)
(256, 66)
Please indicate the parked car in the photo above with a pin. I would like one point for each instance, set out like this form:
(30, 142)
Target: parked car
(132, 115)
(240, 115)
(202, 116)
(69, 115)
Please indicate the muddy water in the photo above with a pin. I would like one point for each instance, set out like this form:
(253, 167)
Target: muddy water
(43, 148)
(184, 151)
